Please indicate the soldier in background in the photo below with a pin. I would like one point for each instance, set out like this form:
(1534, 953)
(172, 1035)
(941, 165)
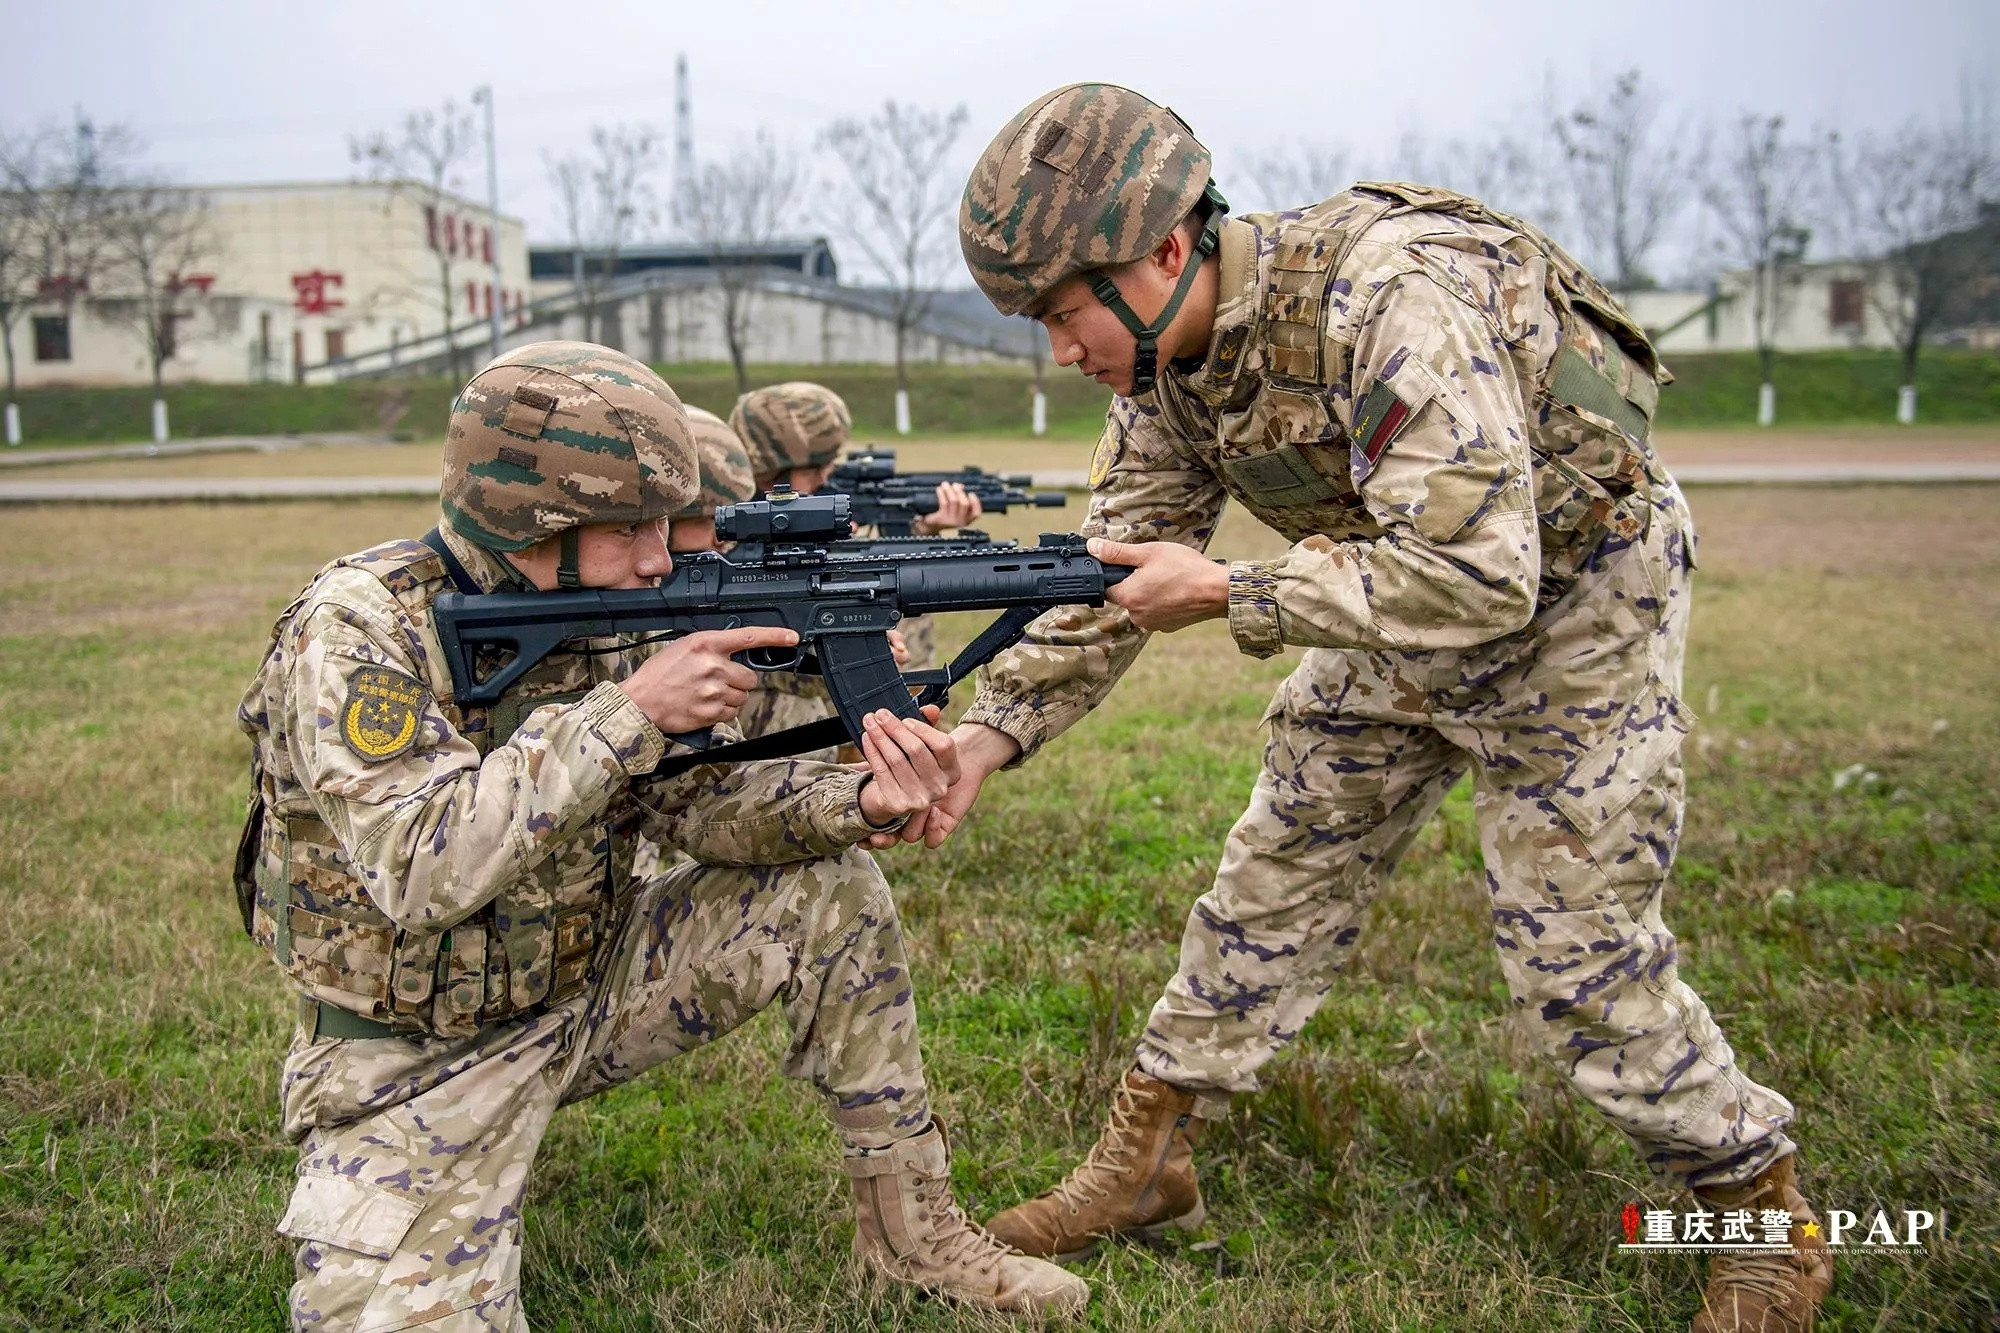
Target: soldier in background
(1450, 419)
(795, 432)
(450, 887)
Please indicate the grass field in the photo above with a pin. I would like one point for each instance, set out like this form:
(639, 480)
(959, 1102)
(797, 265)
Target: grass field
(1815, 389)
(1838, 900)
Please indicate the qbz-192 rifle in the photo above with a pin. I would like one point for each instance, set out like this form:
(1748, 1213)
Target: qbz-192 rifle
(892, 501)
(793, 567)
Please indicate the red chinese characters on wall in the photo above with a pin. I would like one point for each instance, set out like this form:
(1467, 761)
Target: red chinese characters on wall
(313, 293)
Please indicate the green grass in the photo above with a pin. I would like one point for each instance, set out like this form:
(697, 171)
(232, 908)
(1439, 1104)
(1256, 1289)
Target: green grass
(1831, 388)
(1408, 1164)
(1814, 388)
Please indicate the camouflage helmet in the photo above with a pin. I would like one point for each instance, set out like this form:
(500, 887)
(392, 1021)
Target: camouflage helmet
(555, 435)
(1086, 177)
(725, 467)
(790, 425)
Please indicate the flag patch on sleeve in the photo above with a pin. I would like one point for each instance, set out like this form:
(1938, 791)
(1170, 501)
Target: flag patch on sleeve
(1381, 419)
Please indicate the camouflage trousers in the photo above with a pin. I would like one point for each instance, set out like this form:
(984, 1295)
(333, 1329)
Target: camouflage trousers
(1571, 730)
(415, 1153)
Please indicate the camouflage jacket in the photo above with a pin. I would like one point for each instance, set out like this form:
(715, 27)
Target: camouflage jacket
(1440, 408)
(437, 867)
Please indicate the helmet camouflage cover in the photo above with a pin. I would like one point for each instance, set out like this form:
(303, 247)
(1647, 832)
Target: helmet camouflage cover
(1085, 177)
(559, 434)
(725, 467)
(790, 425)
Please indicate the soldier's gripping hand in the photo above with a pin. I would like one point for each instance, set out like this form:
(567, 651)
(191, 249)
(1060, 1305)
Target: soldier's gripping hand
(1173, 586)
(956, 507)
(911, 765)
(691, 683)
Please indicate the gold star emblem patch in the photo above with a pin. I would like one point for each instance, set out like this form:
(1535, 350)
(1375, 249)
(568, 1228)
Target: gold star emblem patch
(383, 715)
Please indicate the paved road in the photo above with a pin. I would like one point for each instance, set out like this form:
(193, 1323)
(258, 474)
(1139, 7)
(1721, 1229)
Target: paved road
(163, 490)
(221, 444)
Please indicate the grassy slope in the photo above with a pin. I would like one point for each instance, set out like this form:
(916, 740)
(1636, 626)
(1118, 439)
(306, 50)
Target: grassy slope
(1720, 390)
(1407, 1166)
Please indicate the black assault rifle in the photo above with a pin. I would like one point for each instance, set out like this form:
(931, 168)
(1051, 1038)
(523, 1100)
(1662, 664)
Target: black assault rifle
(794, 567)
(892, 501)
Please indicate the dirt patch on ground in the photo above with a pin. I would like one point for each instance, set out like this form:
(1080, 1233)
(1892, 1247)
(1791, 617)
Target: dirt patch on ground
(1857, 444)
(1921, 533)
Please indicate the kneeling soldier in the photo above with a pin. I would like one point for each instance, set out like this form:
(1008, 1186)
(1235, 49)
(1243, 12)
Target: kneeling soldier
(450, 887)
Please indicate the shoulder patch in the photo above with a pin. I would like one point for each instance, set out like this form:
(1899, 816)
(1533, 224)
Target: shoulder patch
(383, 715)
(1380, 420)
(1108, 449)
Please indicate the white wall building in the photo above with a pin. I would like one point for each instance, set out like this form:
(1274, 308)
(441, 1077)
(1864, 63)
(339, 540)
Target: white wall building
(295, 280)
(1819, 307)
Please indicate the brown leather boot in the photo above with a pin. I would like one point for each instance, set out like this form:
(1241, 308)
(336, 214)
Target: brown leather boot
(1771, 1292)
(1138, 1177)
(908, 1228)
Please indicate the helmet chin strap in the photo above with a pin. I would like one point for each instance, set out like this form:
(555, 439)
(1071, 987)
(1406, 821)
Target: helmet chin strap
(567, 574)
(1146, 365)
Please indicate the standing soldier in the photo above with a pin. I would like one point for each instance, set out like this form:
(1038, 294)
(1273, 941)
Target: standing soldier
(449, 887)
(1450, 420)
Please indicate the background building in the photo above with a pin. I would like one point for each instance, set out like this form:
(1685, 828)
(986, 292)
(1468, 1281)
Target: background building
(295, 282)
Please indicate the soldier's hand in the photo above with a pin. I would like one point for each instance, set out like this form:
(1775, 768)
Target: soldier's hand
(691, 683)
(982, 750)
(956, 507)
(910, 766)
(1172, 587)
(898, 649)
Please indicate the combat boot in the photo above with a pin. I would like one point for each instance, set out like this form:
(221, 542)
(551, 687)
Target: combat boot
(1138, 1178)
(1753, 1292)
(908, 1228)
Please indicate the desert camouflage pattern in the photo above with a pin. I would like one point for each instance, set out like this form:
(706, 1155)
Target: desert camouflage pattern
(1084, 177)
(1501, 589)
(471, 876)
(557, 434)
(414, 1154)
(795, 424)
(475, 890)
(725, 466)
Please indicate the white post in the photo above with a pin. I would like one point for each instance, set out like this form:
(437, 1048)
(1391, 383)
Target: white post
(159, 421)
(902, 411)
(485, 95)
(1767, 404)
(13, 423)
(1906, 404)
(1041, 413)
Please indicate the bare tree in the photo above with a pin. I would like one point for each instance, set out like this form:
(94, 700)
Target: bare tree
(901, 209)
(51, 200)
(735, 210)
(1760, 192)
(1916, 203)
(1627, 180)
(21, 272)
(1299, 173)
(422, 156)
(155, 238)
(607, 199)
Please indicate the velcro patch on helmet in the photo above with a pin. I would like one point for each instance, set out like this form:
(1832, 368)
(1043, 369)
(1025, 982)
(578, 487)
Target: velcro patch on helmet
(1058, 147)
(528, 412)
(383, 715)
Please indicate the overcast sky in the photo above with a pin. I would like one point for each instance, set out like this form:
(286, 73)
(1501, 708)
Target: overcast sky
(222, 91)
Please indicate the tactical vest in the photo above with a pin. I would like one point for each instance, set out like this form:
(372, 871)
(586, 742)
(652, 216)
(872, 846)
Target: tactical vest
(1590, 421)
(529, 948)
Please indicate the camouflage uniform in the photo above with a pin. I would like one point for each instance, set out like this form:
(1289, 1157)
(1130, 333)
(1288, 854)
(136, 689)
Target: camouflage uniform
(450, 887)
(1448, 417)
(725, 480)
